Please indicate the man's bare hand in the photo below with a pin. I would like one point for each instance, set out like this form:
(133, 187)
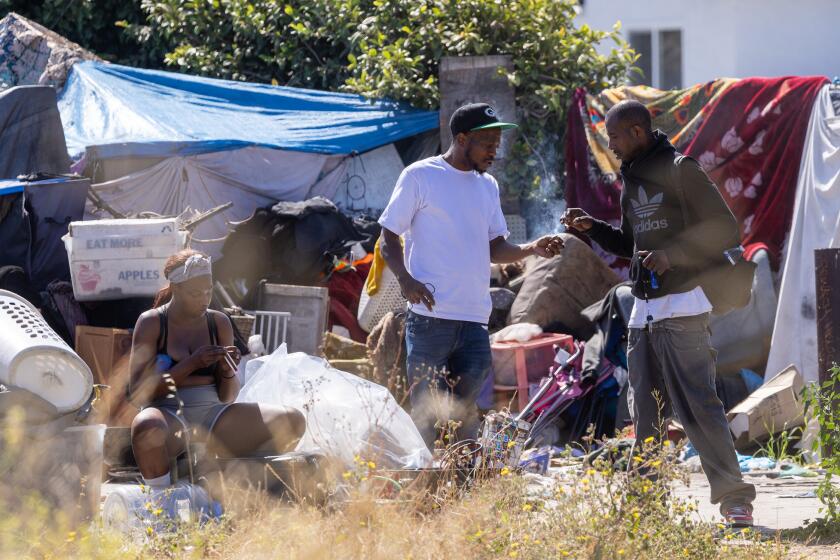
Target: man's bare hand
(547, 246)
(576, 219)
(656, 261)
(417, 292)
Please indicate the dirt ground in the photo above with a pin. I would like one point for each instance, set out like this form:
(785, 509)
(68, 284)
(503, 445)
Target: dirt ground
(780, 504)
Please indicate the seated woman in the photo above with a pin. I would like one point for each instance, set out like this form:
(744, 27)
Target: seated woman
(185, 384)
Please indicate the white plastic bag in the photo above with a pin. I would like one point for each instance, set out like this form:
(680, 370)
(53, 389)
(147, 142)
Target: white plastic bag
(518, 332)
(346, 416)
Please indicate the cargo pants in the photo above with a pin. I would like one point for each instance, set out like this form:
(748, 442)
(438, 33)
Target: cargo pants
(674, 359)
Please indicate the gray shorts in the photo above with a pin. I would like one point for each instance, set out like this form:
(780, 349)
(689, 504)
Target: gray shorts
(200, 407)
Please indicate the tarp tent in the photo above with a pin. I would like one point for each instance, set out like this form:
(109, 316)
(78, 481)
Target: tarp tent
(109, 104)
(34, 215)
(199, 142)
(30, 132)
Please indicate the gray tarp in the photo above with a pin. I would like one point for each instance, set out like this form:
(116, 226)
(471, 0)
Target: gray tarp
(34, 215)
(31, 134)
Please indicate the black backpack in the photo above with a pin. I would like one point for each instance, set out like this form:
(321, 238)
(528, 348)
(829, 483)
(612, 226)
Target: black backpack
(727, 286)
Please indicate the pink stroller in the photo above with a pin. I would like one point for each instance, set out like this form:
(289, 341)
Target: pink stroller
(566, 385)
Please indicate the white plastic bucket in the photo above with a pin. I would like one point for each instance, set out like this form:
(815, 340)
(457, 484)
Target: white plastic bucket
(34, 358)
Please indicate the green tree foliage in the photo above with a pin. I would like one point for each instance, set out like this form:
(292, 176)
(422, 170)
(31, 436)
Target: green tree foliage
(115, 30)
(822, 401)
(391, 48)
(377, 48)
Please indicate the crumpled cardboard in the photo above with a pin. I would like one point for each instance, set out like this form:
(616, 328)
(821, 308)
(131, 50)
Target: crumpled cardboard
(772, 408)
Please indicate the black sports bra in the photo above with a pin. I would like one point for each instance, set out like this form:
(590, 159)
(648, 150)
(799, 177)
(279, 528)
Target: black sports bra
(163, 338)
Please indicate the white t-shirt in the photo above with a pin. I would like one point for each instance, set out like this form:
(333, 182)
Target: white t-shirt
(448, 218)
(686, 304)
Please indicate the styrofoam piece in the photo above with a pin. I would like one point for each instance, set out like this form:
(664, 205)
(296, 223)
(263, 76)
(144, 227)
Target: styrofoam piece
(388, 298)
(35, 358)
(115, 259)
(118, 247)
(91, 229)
(112, 279)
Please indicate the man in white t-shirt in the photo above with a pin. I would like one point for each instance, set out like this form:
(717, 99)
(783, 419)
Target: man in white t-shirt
(448, 211)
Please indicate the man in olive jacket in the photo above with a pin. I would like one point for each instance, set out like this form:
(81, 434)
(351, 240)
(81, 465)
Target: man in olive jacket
(674, 226)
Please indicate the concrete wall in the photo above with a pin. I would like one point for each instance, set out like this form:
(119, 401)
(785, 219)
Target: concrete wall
(734, 38)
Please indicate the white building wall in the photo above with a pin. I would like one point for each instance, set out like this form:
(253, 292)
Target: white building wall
(734, 38)
(787, 37)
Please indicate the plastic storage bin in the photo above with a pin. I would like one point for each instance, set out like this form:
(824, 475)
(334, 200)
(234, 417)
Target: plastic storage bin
(62, 468)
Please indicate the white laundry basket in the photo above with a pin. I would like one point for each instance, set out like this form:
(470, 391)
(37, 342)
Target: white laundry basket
(388, 298)
(34, 358)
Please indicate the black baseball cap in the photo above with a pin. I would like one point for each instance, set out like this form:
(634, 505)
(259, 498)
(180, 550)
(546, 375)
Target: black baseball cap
(476, 116)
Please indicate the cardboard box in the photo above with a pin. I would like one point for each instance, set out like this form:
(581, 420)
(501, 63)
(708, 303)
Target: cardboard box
(115, 259)
(770, 409)
(106, 351)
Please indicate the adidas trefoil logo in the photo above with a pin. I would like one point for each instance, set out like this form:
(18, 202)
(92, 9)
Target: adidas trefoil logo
(644, 207)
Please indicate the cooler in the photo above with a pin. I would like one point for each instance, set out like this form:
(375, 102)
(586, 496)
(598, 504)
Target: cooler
(116, 259)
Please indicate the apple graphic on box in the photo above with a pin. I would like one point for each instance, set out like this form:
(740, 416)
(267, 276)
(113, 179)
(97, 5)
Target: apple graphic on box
(88, 278)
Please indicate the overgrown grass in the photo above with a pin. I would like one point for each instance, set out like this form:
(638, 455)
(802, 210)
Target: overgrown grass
(779, 447)
(591, 511)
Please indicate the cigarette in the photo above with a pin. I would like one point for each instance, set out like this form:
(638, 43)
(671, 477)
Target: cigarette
(229, 361)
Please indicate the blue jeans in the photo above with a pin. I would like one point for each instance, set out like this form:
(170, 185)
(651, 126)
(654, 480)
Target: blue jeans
(447, 364)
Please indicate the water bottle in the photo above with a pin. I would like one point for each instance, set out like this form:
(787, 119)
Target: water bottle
(132, 507)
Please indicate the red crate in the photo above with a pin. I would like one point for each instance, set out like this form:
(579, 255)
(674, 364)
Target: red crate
(517, 364)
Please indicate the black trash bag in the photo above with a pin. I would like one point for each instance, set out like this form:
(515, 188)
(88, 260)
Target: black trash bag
(288, 243)
(370, 229)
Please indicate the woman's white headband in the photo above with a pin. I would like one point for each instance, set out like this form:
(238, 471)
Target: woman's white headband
(196, 265)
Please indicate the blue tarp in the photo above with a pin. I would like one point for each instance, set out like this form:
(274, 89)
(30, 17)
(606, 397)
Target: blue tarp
(106, 104)
(10, 186)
